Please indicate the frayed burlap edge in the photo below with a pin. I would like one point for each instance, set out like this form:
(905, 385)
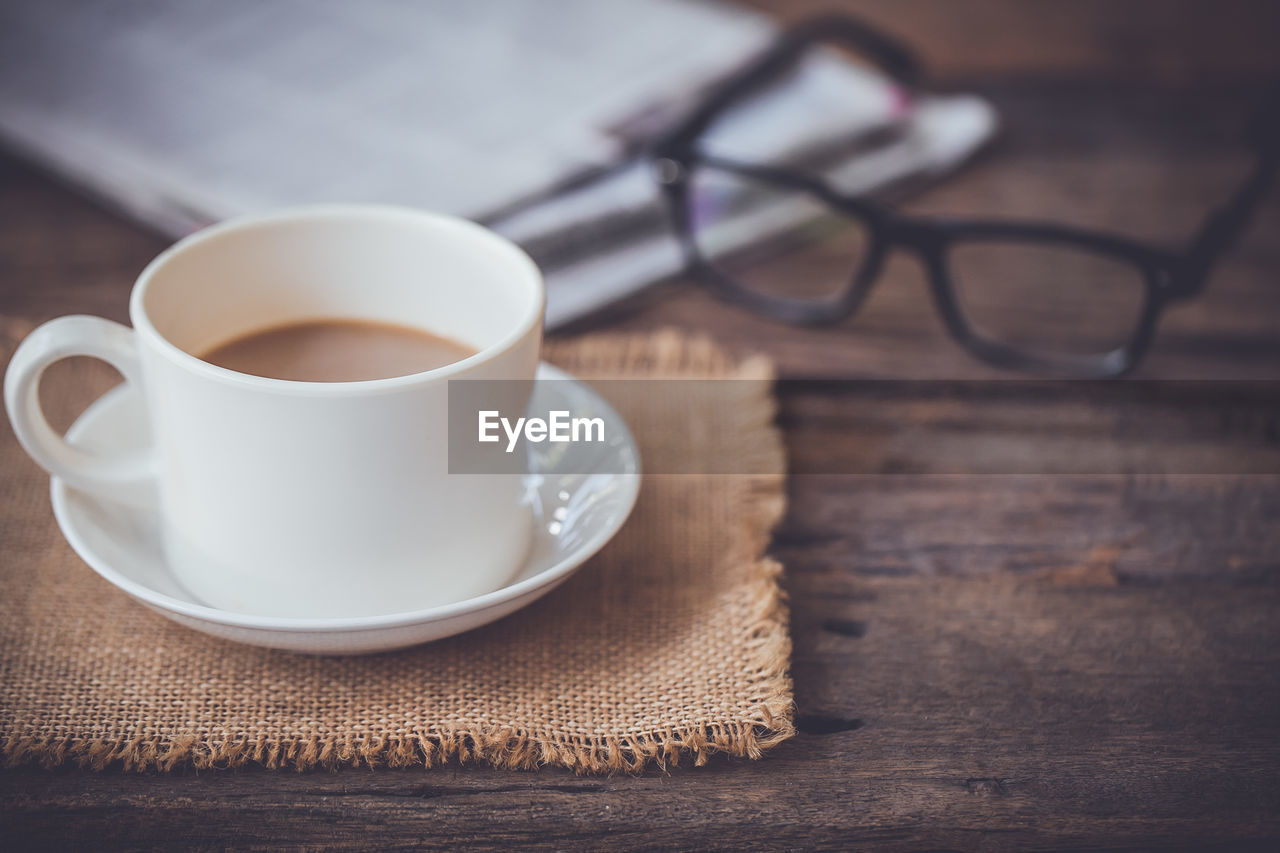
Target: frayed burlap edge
(765, 634)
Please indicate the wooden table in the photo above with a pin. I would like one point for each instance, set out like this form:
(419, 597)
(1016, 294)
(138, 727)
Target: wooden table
(980, 662)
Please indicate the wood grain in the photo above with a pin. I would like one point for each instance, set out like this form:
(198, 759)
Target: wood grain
(1006, 663)
(1063, 709)
(1165, 42)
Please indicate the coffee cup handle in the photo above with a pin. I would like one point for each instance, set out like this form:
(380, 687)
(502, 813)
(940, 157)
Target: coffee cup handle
(55, 340)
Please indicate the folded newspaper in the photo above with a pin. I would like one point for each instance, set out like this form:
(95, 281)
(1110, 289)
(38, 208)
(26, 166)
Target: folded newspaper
(524, 115)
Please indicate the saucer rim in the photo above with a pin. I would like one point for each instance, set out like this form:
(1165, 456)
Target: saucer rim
(552, 575)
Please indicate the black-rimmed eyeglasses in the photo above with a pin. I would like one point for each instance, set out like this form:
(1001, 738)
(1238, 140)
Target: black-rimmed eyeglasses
(1031, 296)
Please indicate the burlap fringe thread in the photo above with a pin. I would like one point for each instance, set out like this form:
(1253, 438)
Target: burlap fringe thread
(765, 635)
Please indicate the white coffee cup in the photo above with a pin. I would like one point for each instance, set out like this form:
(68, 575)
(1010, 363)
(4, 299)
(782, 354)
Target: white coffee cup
(308, 499)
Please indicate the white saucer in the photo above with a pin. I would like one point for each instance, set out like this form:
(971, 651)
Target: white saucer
(575, 515)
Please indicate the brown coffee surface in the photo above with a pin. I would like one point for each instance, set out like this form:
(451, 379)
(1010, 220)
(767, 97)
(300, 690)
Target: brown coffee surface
(337, 350)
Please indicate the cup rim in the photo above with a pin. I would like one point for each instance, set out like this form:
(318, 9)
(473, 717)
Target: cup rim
(314, 212)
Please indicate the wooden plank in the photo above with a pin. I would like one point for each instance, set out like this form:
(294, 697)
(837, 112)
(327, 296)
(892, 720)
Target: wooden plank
(1031, 427)
(1142, 530)
(999, 711)
(1170, 42)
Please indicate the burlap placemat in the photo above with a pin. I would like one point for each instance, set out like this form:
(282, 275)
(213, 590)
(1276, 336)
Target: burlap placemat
(671, 643)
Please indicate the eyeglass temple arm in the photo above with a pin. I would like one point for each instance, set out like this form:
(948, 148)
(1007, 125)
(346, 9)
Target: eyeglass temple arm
(1224, 226)
(887, 53)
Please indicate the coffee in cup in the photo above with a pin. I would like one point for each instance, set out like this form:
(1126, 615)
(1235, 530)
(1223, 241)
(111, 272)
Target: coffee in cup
(337, 350)
(294, 370)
